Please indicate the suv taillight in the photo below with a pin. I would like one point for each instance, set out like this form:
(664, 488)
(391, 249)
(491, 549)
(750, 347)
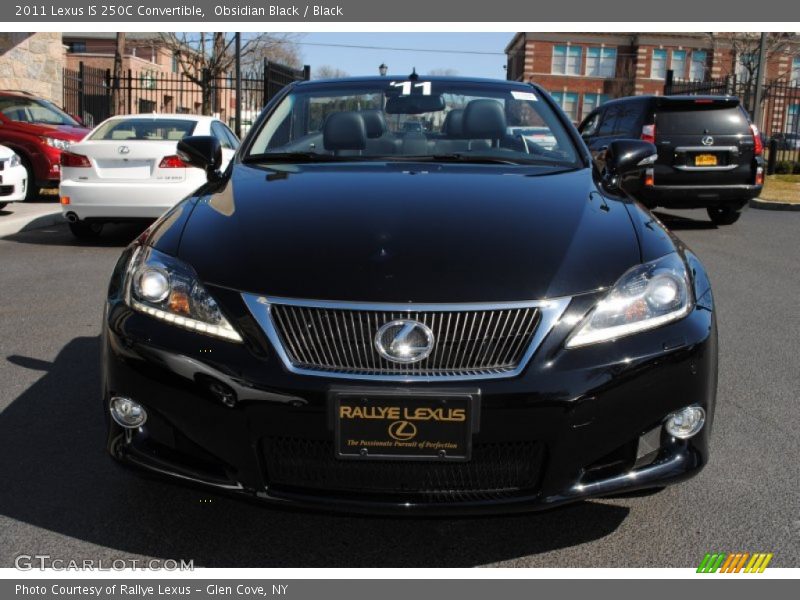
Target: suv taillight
(649, 133)
(171, 162)
(70, 159)
(758, 147)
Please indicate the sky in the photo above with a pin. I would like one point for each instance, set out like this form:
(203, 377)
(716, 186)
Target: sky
(469, 54)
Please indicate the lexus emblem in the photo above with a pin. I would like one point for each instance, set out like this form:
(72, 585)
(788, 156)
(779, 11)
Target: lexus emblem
(402, 431)
(404, 341)
(123, 150)
(707, 140)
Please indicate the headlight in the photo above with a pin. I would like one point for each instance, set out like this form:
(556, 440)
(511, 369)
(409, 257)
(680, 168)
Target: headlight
(168, 289)
(56, 143)
(14, 162)
(645, 297)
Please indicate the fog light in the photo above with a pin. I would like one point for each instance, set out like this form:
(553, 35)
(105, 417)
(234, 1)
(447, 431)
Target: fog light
(127, 413)
(686, 422)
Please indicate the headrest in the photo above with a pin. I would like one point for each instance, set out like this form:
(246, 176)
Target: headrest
(453, 125)
(344, 131)
(375, 123)
(484, 119)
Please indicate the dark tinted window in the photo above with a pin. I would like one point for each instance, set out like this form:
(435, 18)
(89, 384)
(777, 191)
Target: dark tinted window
(608, 123)
(629, 121)
(696, 120)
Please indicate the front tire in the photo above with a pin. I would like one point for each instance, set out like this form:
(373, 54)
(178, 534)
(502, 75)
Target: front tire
(724, 215)
(86, 231)
(31, 190)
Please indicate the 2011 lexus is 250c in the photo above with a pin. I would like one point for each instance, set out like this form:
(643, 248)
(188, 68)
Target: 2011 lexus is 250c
(364, 315)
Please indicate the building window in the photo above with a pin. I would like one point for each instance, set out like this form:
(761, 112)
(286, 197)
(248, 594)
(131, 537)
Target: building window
(568, 101)
(175, 63)
(74, 47)
(658, 68)
(590, 102)
(678, 63)
(697, 70)
(795, 76)
(567, 60)
(746, 66)
(601, 62)
(793, 118)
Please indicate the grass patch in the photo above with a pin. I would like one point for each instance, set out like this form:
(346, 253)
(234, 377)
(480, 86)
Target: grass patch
(782, 188)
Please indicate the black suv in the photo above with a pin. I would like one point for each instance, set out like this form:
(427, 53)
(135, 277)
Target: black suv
(709, 153)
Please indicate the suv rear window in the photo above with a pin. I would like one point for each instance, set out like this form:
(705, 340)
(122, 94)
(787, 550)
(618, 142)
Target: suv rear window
(697, 119)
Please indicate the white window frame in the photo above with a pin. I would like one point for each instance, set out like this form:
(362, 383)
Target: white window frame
(680, 74)
(703, 65)
(560, 98)
(568, 50)
(604, 57)
(653, 74)
(795, 73)
(598, 100)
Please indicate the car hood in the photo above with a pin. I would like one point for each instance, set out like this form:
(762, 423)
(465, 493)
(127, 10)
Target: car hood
(61, 132)
(400, 232)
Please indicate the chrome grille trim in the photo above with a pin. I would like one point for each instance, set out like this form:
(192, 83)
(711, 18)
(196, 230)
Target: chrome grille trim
(506, 354)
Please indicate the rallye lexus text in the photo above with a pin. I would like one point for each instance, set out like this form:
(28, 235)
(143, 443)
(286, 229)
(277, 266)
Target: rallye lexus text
(412, 295)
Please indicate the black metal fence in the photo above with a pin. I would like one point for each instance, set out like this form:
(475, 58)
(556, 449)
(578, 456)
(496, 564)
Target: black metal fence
(93, 95)
(780, 111)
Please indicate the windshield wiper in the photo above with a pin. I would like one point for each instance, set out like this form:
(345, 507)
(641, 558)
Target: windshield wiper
(267, 157)
(478, 159)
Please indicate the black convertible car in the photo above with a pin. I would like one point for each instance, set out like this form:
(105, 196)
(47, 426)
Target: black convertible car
(395, 299)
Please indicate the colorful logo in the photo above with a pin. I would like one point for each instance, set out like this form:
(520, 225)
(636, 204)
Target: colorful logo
(734, 563)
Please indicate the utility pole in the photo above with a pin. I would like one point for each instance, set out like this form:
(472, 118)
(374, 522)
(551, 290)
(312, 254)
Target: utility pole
(762, 63)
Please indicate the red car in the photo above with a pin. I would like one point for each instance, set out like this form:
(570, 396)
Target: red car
(38, 131)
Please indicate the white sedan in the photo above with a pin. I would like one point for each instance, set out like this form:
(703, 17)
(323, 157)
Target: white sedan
(127, 168)
(13, 177)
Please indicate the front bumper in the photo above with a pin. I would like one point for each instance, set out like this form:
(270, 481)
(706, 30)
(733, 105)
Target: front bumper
(13, 184)
(572, 425)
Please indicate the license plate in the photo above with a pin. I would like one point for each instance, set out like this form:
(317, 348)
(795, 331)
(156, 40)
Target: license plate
(400, 426)
(705, 160)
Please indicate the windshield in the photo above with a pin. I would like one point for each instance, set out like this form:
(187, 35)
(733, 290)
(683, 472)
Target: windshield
(410, 120)
(30, 110)
(155, 130)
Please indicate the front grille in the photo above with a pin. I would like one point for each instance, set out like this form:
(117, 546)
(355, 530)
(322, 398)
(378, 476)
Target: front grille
(466, 342)
(495, 471)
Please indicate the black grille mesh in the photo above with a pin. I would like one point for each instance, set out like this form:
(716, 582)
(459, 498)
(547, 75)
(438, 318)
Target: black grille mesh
(496, 470)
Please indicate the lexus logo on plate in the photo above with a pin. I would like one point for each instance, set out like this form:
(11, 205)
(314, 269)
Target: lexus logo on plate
(404, 341)
(123, 150)
(402, 431)
(707, 140)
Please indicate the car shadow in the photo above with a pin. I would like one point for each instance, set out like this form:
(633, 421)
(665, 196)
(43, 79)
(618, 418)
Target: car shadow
(113, 235)
(681, 223)
(57, 476)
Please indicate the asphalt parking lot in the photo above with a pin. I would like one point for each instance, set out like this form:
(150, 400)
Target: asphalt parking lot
(61, 495)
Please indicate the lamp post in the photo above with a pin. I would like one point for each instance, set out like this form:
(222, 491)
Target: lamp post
(383, 69)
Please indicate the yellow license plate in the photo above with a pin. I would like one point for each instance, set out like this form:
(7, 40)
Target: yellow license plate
(705, 160)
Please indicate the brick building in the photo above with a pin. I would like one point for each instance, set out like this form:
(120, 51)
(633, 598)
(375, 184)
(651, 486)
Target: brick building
(583, 70)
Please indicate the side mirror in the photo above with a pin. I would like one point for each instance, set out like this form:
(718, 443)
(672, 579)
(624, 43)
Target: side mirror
(203, 152)
(626, 159)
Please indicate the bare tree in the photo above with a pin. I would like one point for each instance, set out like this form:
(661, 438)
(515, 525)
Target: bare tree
(202, 57)
(745, 49)
(117, 103)
(329, 72)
